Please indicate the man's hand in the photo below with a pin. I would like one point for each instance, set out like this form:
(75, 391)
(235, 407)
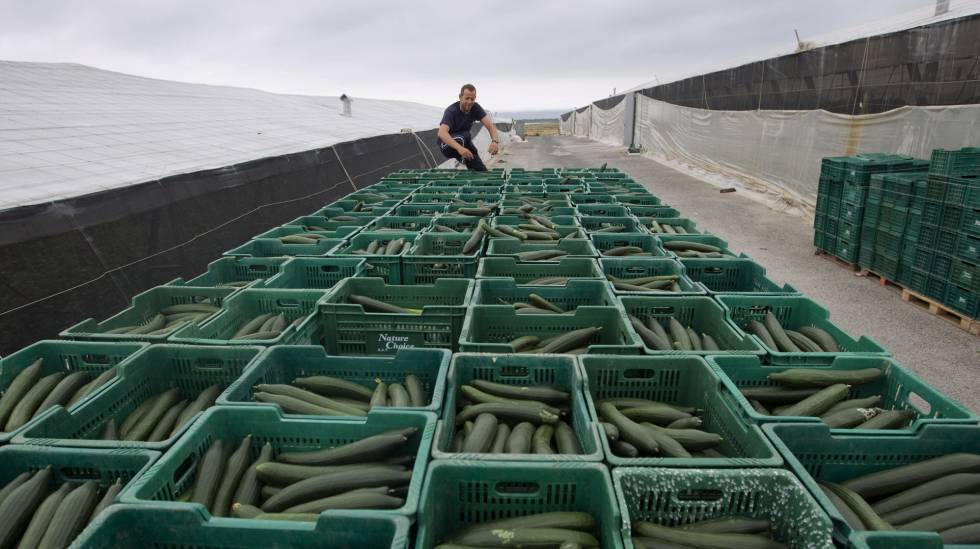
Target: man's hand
(494, 149)
(466, 153)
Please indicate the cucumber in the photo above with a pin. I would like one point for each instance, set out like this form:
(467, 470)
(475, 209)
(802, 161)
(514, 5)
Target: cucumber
(333, 387)
(703, 540)
(865, 512)
(541, 441)
(805, 344)
(524, 343)
(889, 419)
(111, 493)
(25, 409)
(660, 414)
(850, 517)
(693, 337)
(818, 403)
(484, 432)
(779, 336)
(19, 506)
(543, 303)
(957, 483)
(309, 396)
(571, 340)
(459, 439)
(650, 339)
(398, 395)
(416, 394)
(91, 387)
(374, 306)
(189, 308)
(109, 431)
(692, 422)
(669, 447)
(205, 399)
(71, 516)
(566, 520)
(849, 418)
(231, 477)
(821, 338)
(511, 412)
(691, 439)
(730, 525)
(524, 537)
(543, 393)
(474, 241)
(367, 449)
(380, 395)
(251, 326)
(499, 445)
(759, 408)
(944, 520)
(283, 474)
(479, 397)
(18, 388)
(519, 441)
(166, 424)
(624, 403)
(962, 535)
(157, 322)
(867, 402)
(245, 511)
(685, 245)
(759, 330)
(777, 395)
(42, 518)
(364, 498)
(62, 391)
(897, 479)
(658, 329)
(566, 440)
(291, 405)
(814, 377)
(629, 430)
(931, 507)
(260, 336)
(146, 423)
(709, 343)
(678, 334)
(13, 484)
(624, 449)
(332, 484)
(209, 474)
(610, 430)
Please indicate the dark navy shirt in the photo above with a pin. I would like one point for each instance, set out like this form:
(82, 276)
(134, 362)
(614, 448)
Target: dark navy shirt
(459, 121)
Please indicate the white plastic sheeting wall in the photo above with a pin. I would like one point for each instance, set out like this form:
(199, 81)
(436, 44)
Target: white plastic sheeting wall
(583, 122)
(566, 126)
(783, 149)
(607, 125)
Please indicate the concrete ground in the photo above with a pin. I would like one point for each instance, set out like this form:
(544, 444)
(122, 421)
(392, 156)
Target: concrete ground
(941, 353)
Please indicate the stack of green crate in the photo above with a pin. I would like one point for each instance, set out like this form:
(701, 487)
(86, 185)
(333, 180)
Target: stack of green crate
(954, 190)
(892, 224)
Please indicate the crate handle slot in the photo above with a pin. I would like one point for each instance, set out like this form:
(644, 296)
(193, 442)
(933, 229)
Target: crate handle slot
(210, 364)
(638, 373)
(759, 310)
(637, 270)
(518, 488)
(700, 495)
(287, 303)
(329, 268)
(80, 474)
(513, 371)
(713, 270)
(95, 359)
(661, 311)
(262, 268)
(920, 404)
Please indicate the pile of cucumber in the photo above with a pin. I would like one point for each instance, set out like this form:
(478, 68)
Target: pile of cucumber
(330, 396)
(680, 338)
(160, 416)
(560, 530)
(372, 305)
(608, 228)
(301, 238)
(649, 284)
(683, 248)
(480, 210)
(636, 427)
(371, 473)
(574, 342)
(823, 393)
(626, 251)
(805, 339)
(170, 318)
(531, 205)
(495, 418)
(935, 495)
(35, 516)
(263, 326)
(382, 247)
(722, 532)
(549, 281)
(30, 394)
(663, 228)
(537, 305)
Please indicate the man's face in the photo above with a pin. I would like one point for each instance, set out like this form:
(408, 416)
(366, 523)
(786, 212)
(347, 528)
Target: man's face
(466, 100)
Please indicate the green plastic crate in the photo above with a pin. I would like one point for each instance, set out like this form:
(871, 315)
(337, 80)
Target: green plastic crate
(580, 198)
(813, 452)
(155, 369)
(488, 197)
(690, 226)
(954, 162)
(152, 526)
(603, 210)
(681, 496)
(68, 357)
(175, 471)
(966, 274)
(272, 247)
(514, 221)
(899, 388)
(604, 242)
(348, 204)
(898, 539)
(654, 211)
(968, 248)
(701, 313)
(708, 239)
(489, 328)
(686, 380)
(459, 493)
(288, 230)
(553, 370)
(439, 255)
(283, 364)
(361, 218)
(298, 306)
(346, 329)
(577, 293)
(459, 223)
(317, 272)
(592, 223)
(400, 223)
(525, 272)
(733, 276)
(388, 267)
(971, 221)
(76, 466)
(431, 198)
(639, 199)
(963, 300)
(486, 188)
(236, 269)
(326, 223)
(626, 268)
(576, 247)
(143, 308)
(792, 313)
(417, 209)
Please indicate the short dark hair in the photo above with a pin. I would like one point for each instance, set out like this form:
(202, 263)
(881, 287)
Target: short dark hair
(466, 87)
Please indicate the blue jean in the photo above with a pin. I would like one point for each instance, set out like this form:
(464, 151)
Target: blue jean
(464, 139)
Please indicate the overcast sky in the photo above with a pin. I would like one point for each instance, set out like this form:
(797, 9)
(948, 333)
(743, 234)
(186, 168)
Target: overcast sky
(532, 54)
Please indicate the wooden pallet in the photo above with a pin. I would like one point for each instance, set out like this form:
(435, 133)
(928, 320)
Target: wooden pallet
(835, 259)
(942, 311)
(883, 281)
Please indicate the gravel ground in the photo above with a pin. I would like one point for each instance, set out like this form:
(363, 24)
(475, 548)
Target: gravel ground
(941, 353)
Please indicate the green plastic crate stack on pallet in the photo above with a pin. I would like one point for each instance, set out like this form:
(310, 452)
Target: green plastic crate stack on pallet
(954, 178)
(892, 221)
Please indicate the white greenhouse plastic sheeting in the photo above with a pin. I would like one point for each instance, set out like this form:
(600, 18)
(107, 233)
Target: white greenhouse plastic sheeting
(607, 125)
(582, 122)
(782, 150)
(68, 130)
